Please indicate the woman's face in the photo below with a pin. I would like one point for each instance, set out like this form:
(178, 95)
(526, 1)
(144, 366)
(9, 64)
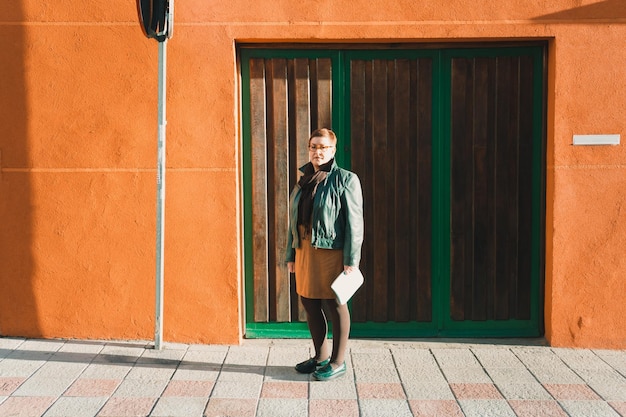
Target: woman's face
(321, 150)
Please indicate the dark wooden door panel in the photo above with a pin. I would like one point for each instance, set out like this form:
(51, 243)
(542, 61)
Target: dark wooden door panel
(391, 131)
(288, 97)
(491, 187)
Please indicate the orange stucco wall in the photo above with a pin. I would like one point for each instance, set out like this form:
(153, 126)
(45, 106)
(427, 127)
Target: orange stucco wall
(78, 155)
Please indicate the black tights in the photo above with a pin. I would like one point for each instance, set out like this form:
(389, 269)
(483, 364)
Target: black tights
(318, 326)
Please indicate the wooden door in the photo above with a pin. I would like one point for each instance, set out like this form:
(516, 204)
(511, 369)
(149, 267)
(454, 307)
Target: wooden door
(286, 95)
(449, 148)
(391, 139)
(495, 158)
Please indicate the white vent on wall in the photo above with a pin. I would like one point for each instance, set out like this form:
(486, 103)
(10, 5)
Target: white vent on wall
(596, 139)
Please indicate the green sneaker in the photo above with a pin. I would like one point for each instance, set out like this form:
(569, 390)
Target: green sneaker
(311, 365)
(327, 372)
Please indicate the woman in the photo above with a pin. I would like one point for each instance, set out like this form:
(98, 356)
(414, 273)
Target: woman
(325, 237)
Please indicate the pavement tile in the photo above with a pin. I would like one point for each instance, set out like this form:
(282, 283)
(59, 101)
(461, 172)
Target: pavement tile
(247, 356)
(43, 387)
(333, 408)
(285, 390)
(60, 369)
(609, 384)
(428, 391)
(76, 407)
(571, 392)
(467, 375)
(517, 375)
(151, 372)
(493, 358)
(15, 367)
(106, 371)
(282, 407)
(285, 373)
(287, 356)
(180, 388)
(514, 391)
(197, 373)
(387, 374)
(179, 407)
(337, 389)
(84, 387)
(475, 391)
(127, 407)
(140, 388)
(580, 359)
(537, 408)
(556, 375)
(8, 344)
(231, 407)
(10, 384)
(615, 358)
(619, 406)
(384, 408)
(486, 408)
(588, 409)
(25, 406)
(435, 408)
(237, 389)
(380, 390)
(242, 373)
(455, 358)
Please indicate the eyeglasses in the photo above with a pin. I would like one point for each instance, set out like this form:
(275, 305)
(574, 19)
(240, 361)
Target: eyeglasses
(323, 148)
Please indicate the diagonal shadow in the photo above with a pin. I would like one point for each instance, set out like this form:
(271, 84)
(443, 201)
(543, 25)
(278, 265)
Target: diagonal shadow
(127, 360)
(604, 10)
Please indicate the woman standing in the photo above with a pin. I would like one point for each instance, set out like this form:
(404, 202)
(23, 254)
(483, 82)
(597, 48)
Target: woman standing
(325, 237)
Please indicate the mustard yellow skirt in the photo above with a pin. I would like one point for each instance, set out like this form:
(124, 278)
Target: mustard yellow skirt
(316, 269)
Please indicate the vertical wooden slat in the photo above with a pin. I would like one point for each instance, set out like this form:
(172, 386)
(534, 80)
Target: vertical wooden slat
(279, 189)
(482, 190)
(379, 149)
(303, 130)
(506, 187)
(459, 256)
(324, 93)
(525, 188)
(423, 192)
(259, 187)
(358, 135)
(403, 274)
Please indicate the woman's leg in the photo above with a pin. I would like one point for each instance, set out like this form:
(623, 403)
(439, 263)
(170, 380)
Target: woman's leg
(318, 326)
(341, 330)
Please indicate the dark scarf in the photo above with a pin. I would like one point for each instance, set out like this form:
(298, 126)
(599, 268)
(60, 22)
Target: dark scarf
(308, 183)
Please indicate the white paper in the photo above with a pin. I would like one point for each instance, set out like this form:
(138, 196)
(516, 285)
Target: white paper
(345, 285)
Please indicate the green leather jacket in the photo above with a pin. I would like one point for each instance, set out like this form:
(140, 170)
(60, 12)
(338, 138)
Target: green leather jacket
(337, 216)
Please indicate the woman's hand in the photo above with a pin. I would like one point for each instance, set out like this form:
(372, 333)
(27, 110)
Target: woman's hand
(347, 269)
(291, 267)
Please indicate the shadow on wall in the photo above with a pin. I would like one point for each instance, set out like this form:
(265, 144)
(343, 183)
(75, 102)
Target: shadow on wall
(18, 309)
(602, 11)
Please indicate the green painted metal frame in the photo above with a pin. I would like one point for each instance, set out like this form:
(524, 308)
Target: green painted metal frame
(441, 324)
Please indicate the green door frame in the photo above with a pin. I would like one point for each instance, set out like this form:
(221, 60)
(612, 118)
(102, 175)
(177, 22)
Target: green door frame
(442, 324)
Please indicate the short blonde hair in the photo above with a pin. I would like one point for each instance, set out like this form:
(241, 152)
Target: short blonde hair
(324, 133)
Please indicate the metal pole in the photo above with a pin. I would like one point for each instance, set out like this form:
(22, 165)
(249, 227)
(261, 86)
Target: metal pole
(160, 230)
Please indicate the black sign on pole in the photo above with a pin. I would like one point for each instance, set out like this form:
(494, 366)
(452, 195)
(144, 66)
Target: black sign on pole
(156, 18)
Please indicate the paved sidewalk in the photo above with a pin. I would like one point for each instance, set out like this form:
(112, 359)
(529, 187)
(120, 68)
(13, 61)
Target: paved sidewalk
(385, 378)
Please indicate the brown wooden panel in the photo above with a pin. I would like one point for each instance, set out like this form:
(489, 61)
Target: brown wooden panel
(323, 83)
(491, 190)
(259, 187)
(279, 195)
(359, 142)
(391, 128)
(421, 197)
(401, 145)
(286, 95)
